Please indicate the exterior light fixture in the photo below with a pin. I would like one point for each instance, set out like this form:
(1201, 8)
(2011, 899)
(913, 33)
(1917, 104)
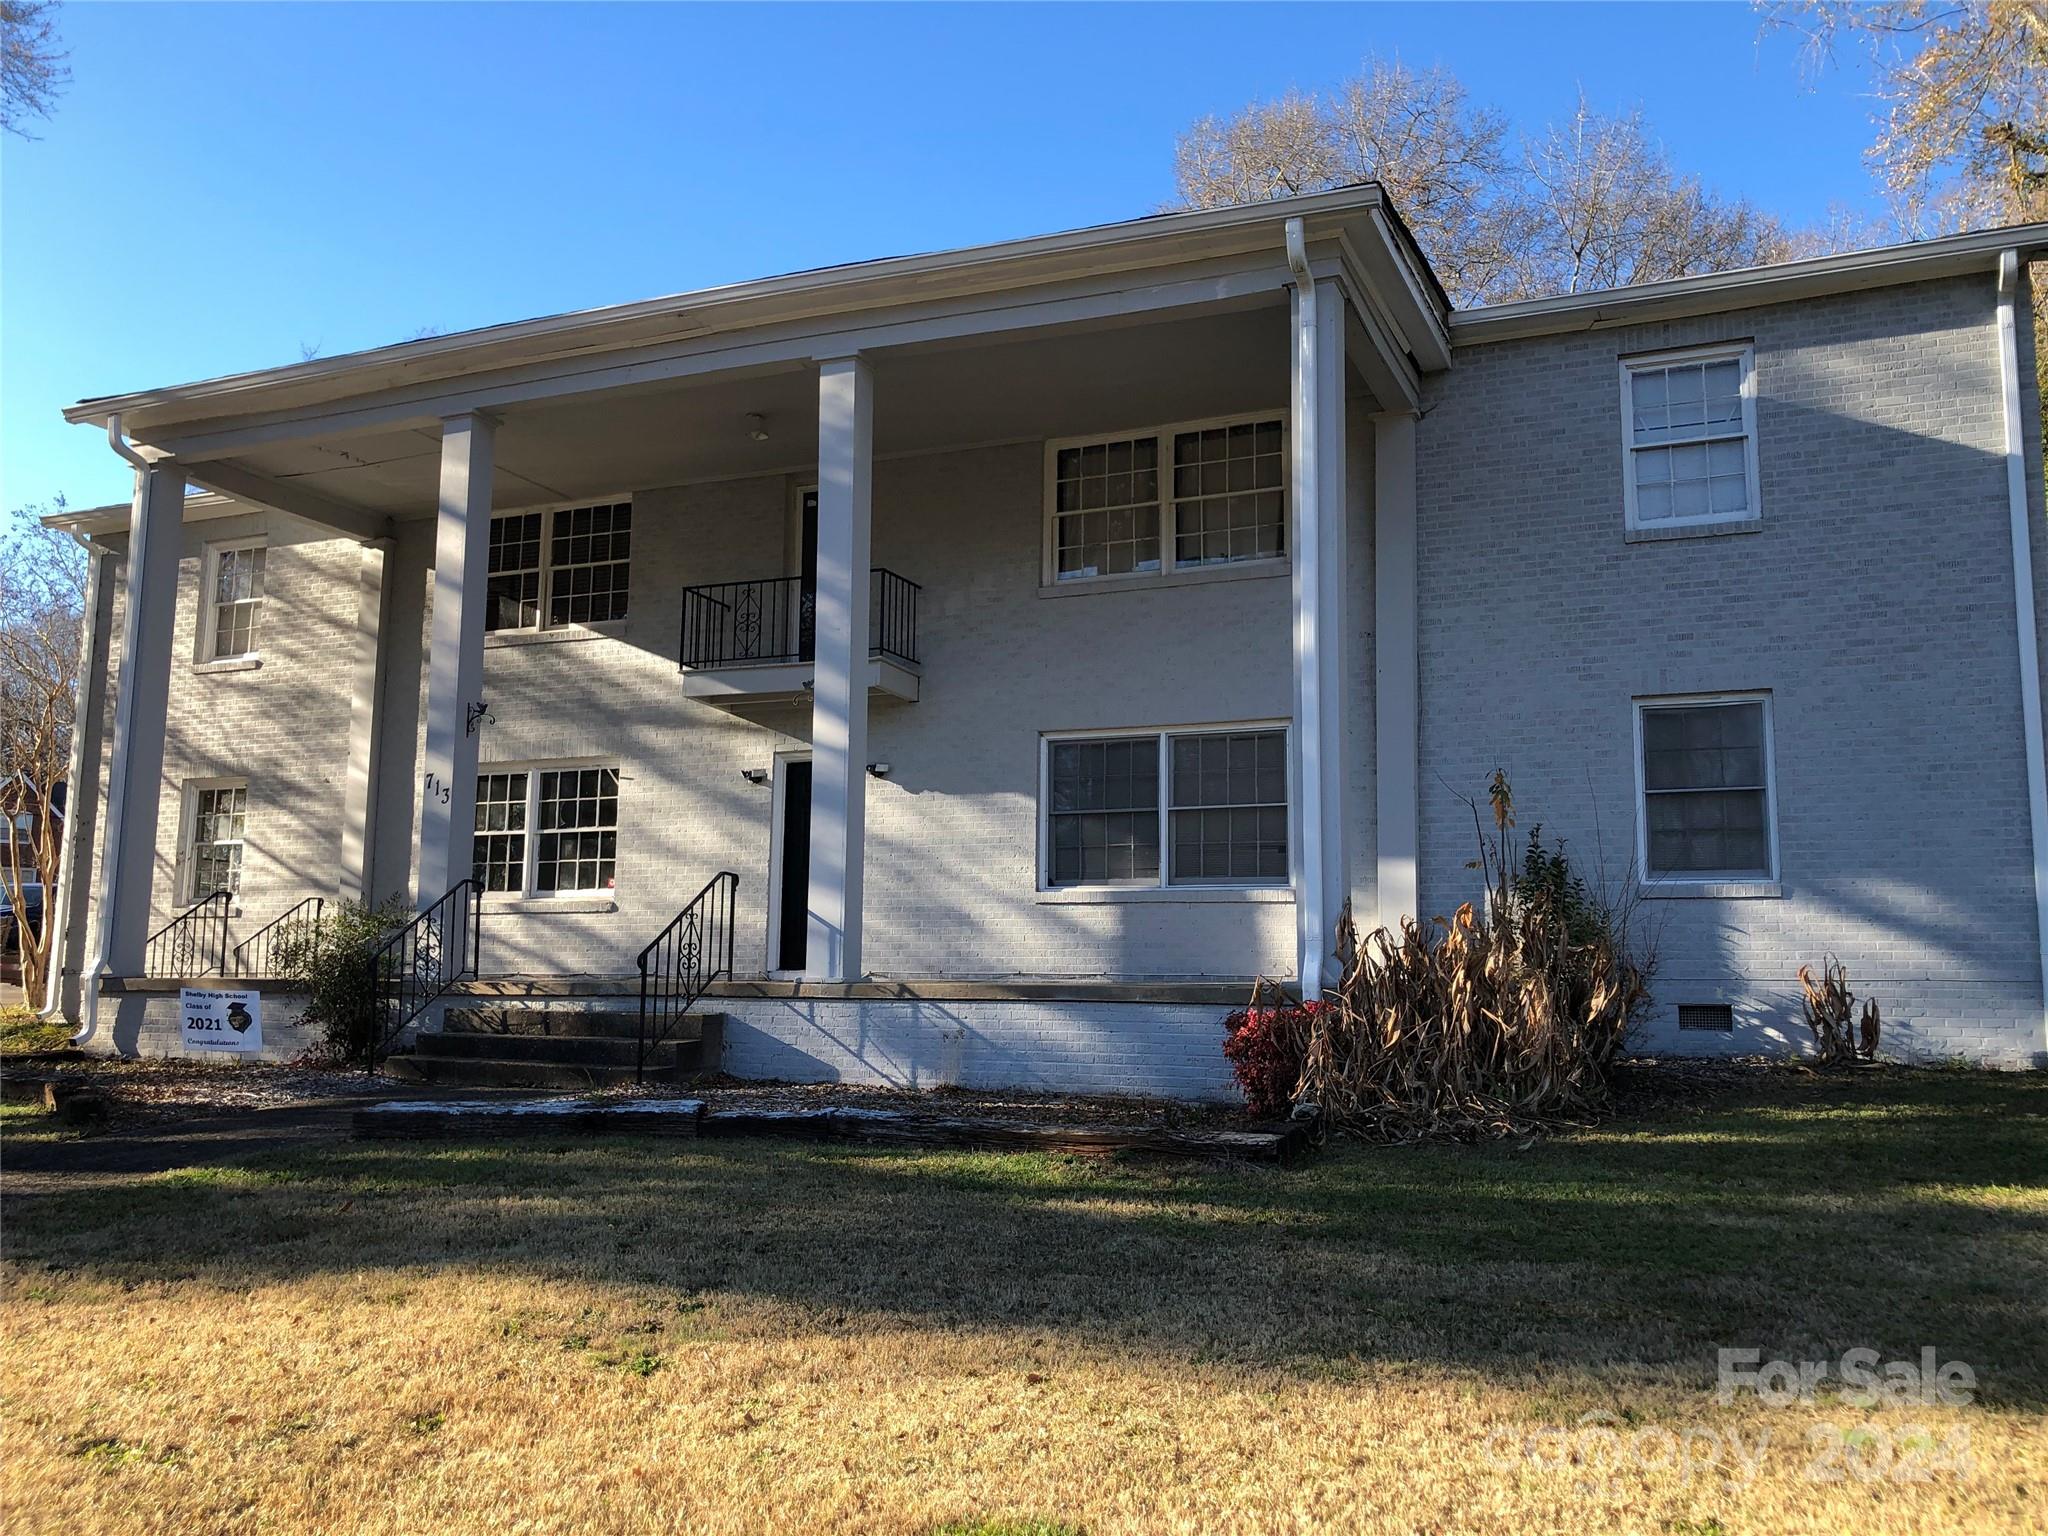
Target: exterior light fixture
(879, 770)
(757, 426)
(754, 775)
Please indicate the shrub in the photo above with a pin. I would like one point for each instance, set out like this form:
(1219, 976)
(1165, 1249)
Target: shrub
(1505, 1016)
(1829, 1004)
(1267, 1048)
(330, 959)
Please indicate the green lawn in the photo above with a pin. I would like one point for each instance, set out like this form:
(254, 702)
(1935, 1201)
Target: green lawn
(709, 1336)
(21, 1033)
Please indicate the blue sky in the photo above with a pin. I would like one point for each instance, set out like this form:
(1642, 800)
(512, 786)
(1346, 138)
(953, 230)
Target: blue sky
(226, 183)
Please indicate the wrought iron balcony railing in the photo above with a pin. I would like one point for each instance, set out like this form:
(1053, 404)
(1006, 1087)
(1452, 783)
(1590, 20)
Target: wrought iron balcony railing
(744, 623)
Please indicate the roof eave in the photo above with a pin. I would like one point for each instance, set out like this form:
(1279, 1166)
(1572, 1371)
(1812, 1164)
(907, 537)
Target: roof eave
(1748, 287)
(1157, 240)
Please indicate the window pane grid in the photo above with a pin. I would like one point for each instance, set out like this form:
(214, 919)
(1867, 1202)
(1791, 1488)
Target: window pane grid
(1224, 803)
(500, 844)
(576, 841)
(237, 599)
(1106, 500)
(588, 564)
(1229, 502)
(1706, 796)
(220, 817)
(1689, 441)
(1229, 807)
(512, 581)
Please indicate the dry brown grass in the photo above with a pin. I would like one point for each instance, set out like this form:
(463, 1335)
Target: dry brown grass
(542, 1337)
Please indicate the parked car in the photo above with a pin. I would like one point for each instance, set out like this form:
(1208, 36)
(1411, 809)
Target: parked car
(10, 924)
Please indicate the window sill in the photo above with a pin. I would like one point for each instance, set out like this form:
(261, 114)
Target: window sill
(557, 906)
(1173, 895)
(229, 664)
(609, 630)
(1193, 576)
(1710, 890)
(1658, 534)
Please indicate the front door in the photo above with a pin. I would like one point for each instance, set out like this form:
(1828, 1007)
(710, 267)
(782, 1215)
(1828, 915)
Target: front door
(807, 582)
(793, 866)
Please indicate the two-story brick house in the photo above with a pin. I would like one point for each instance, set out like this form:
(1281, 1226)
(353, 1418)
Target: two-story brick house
(1052, 637)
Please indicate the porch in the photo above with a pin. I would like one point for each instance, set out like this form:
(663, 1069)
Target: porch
(734, 429)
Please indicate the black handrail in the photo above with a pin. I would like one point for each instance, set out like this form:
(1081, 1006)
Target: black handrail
(252, 956)
(417, 965)
(693, 951)
(199, 933)
(775, 620)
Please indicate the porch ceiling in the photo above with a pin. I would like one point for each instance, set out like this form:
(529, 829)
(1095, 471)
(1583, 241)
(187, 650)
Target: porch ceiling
(1046, 385)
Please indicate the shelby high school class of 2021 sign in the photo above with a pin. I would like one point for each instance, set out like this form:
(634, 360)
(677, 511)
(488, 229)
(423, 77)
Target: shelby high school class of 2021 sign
(216, 1020)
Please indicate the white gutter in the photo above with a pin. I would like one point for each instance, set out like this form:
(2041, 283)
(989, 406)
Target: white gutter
(57, 902)
(2016, 428)
(95, 969)
(1715, 292)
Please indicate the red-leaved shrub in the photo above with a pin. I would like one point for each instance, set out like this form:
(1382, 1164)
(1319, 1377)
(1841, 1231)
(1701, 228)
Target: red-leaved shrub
(1266, 1048)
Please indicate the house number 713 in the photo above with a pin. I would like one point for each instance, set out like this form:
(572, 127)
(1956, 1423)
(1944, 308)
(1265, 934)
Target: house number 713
(438, 789)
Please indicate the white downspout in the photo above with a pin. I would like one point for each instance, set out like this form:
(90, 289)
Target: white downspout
(57, 903)
(95, 969)
(2023, 599)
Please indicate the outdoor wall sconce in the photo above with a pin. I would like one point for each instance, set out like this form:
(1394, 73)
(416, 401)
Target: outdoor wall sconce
(879, 770)
(757, 426)
(754, 775)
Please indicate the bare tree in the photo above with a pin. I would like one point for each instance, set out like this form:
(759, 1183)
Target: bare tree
(42, 602)
(32, 69)
(1605, 208)
(1592, 202)
(1964, 138)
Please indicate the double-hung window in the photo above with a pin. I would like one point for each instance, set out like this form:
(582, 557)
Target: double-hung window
(234, 600)
(558, 568)
(1179, 808)
(547, 831)
(1707, 811)
(217, 820)
(1168, 498)
(1689, 437)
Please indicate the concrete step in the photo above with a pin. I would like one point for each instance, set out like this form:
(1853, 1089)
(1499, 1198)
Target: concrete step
(570, 1050)
(493, 1072)
(499, 1019)
(617, 1024)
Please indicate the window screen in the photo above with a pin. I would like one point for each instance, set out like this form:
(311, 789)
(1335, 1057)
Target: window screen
(1229, 502)
(1706, 792)
(1689, 441)
(1106, 509)
(1229, 807)
(1104, 800)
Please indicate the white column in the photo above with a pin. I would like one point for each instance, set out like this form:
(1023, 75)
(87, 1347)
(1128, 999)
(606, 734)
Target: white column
(1332, 579)
(1397, 677)
(141, 699)
(68, 904)
(455, 660)
(1311, 764)
(358, 800)
(839, 701)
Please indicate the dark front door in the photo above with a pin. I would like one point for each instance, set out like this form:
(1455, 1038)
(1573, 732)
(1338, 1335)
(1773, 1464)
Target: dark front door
(807, 582)
(793, 921)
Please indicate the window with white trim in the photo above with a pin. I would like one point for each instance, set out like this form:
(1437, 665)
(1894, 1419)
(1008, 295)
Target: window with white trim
(1707, 811)
(1170, 498)
(547, 831)
(217, 827)
(569, 566)
(1689, 437)
(234, 599)
(1192, 807)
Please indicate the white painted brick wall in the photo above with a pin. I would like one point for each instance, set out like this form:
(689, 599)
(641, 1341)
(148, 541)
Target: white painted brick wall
(1875, 604)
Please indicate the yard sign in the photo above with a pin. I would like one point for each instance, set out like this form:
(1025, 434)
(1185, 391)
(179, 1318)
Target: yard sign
(215, 1020)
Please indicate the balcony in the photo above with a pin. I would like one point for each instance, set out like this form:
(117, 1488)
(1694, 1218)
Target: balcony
(754, 642)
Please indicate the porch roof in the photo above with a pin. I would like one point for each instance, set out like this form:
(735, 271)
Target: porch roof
(1359, 215)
